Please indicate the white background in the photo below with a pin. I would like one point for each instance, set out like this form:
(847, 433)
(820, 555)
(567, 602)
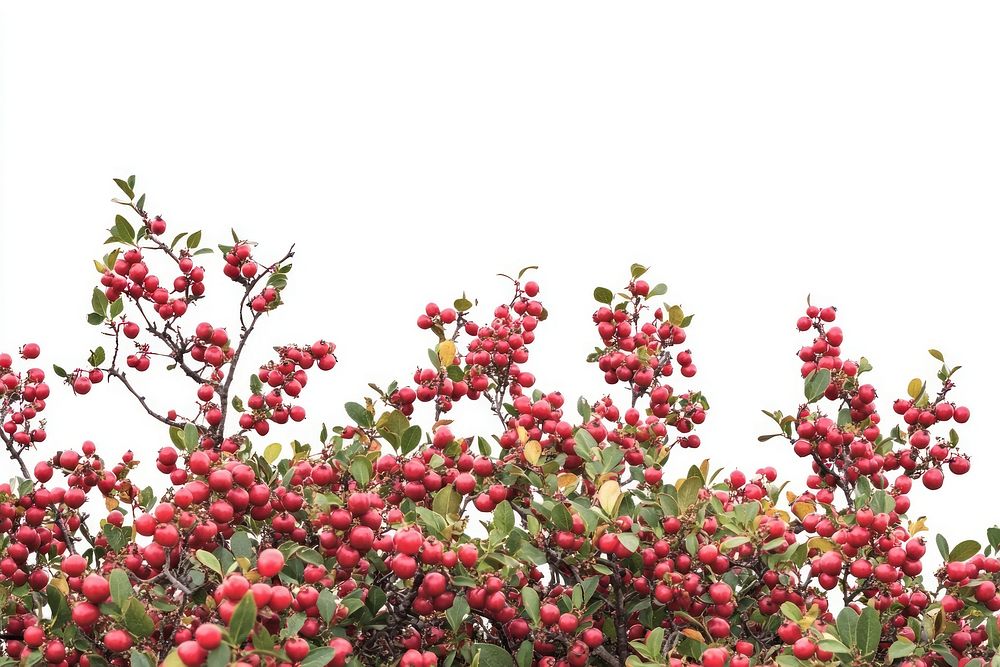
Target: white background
(751, 154)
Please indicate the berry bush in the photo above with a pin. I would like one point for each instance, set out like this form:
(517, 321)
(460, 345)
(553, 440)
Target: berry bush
(399, 538)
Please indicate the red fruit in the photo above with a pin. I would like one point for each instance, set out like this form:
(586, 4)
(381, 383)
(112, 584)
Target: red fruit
(468, 554)
(74, 565)
(96, 588)
(933, 478)
(270, 562)
(408, 541)
(549, 614)
(85, 614)
(297, 649)
(803, 648)
(208, 636)
(191, 653)
(720, 592)
(714, 657)
(33, 636)
(404, 566)
(341, 650)
(568, 623)
(119, 641)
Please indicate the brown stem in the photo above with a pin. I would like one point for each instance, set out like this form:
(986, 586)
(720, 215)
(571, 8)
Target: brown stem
(120, 376)
(620, 629)
(244, 336)
(16, 456)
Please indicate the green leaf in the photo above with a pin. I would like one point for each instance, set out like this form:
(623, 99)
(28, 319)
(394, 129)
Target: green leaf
(241, 546)
(869, 631)
(136, 618)
(489, 655)
(833, 645)
(410, 439)
(503, 518)
(209, 560)
(359, 414)
(244, 617)
(525, 654)
(124, 230)
(191, 437)
(603, 295)
(125, 188)
(637, 270)
(117, 306)
(937, 355)
(95, 319)
(561, 517)
(57, 605)
(629, 540)
(901, 648)
(99, 301)
(361, 470)
(318, 657)
(121, 587)
(194, 240)
(585, 444)
(816, 384)
(138, 659)
(964, 550)
(457, 612)
(219, 657)
(942, 545)
(59, 370)
(532, 603)
(791, 611)
(309, 555)
(657, 290)
(326, 604)
(463, 304)
(446, 501)
(847, 626)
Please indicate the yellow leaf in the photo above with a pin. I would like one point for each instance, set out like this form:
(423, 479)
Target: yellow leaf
(532, 451)
(446, 352)
(790, 496)
(608, 496)
(704, 468)
(172, 660)
(918, 526)
(522, 434)
(820, 543)
(100, 267)
(60, 584)
(244, 562)
(693, 634)
(272, 452)
(801, 509)
(567, 481)
(110, 503)
(809, 618)
(915, 388)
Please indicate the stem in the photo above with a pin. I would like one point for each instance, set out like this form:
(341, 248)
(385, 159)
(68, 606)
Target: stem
(120, 376)
(244, 336)
(16, 456)
(620, 629)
